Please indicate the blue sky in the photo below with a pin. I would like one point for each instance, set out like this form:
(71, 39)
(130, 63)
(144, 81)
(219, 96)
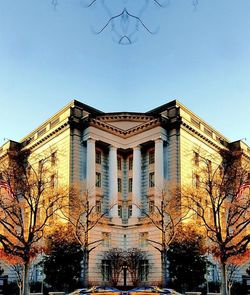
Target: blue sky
(50, 56)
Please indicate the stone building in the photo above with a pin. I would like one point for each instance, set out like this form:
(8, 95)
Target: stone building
(125, 159)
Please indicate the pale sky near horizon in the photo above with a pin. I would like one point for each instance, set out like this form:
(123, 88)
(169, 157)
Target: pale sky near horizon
(50, 56)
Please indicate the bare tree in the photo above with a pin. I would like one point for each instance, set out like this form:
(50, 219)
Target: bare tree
(167, 216)
(116, 260)
(83, 217)
(220, 200)
(28, 202)
(134, 261)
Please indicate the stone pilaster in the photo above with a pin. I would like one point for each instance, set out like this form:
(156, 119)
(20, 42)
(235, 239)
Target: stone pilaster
(159, 167)
(113, 187)
(91, 173)
(136, 189)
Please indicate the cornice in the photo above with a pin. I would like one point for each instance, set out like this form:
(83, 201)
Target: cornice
(101, 124)
(125, 116)
(47, 136)
(203, 137)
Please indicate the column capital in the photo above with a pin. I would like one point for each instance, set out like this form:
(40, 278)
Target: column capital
(159, 139)
(137, 147)
(112, 147)
(91, 139)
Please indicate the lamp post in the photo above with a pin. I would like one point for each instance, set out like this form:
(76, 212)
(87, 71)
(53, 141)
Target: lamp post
(125, 267)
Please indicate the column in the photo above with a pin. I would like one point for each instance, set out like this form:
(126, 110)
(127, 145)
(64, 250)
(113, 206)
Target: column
(159, 166)
(136, 189)
(90, 167)
(113, 187)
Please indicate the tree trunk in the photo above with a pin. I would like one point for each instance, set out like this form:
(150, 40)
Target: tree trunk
(26, 278)
(85, 268)
(164, 268)
(223, 279)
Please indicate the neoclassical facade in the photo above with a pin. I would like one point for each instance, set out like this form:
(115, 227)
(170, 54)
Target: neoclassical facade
(124, 160)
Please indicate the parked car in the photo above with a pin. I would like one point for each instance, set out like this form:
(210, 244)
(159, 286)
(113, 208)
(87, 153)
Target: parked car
(79, 291)
(105, 290)
(170, 291)
(152, 289)
(145, 290)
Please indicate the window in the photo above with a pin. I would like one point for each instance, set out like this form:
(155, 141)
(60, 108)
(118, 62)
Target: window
(98, 206)
(98, 182)
(144, 270)
(209, 166)
(119, 184)
(53, 158)
(40, 166)
(196, 180)
(106, 270)
(130, 185)
(195, 122)
(151, 157)
(41, 132)
(130, 210)
(196, 158)
(119, 163)
(130, 163)
(120, 211)
(143, 239)
(151, 206)
(208, 131)
(54, 122)
(98, 157)
(151, 179)
(106, 239)
(53, 180)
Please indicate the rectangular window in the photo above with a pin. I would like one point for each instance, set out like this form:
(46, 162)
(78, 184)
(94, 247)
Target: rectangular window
(144, 270)
(151, 206)
(106, 239)
(130, 163)
(143, 239)
(40, 166)
(53, 180)
(195, 122)
(196, 158)
(130, 185)
(119, 184)
(98, 182)
(120, 211)
(98, 157)
(119, 163)
(209, 166)
(196, 180)
(54, 122)
(53, 159)
(208, 131)
(98, 206)
(106, 270)
(151, 157)
(41, 132)
(130, 210)
(151, 179)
